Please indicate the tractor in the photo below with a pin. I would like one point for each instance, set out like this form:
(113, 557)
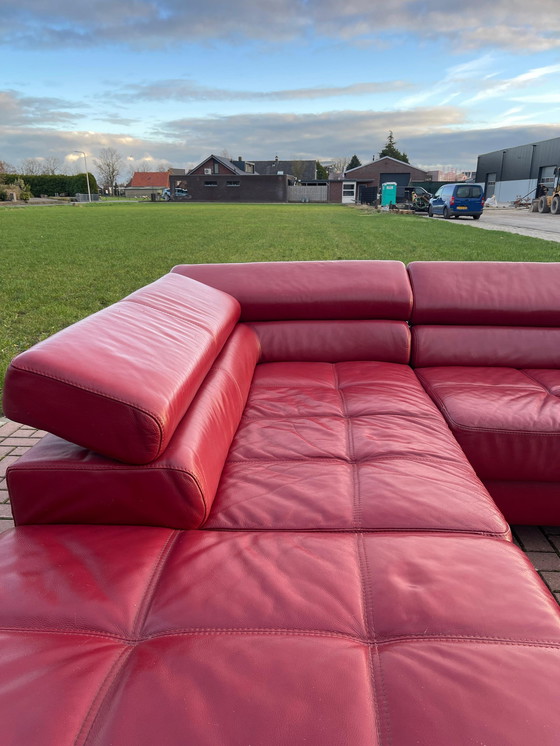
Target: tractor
(547, 199)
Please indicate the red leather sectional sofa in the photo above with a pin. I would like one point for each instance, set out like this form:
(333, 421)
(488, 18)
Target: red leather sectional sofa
(252, 525)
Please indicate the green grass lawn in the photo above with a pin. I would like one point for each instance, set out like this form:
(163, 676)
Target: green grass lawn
(59, 264)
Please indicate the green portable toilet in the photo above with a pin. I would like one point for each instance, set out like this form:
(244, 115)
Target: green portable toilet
(389, 193)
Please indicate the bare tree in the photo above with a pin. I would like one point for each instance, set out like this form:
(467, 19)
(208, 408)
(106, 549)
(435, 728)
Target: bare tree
(31, 167)
(51, 166)
(7, 168)
(339, 165)
(109, 166)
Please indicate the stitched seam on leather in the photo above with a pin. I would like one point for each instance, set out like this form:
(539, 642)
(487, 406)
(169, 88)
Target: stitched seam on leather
(340, 460)
(288, 417)
(468, 428)
(365, 619)
(349, 449)
(539, 383)
(465, 639)
(146, 602)
(102, 394)
(240, 526)
(381, 706)
(287, 632)
(100, 697)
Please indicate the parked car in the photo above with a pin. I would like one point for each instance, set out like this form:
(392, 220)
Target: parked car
(179, 194)
(455, 200)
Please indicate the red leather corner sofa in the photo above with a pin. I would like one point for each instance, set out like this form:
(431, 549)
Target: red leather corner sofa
(252, 525)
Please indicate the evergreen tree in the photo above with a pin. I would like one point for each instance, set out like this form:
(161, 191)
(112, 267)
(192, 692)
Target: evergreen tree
(321, 171)
(391, 150)
(354, 163)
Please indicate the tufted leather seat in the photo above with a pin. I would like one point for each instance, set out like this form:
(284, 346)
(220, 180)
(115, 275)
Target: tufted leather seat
(299, 550)
(139, 635)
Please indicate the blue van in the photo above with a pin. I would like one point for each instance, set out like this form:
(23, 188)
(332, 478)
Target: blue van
(454, 200)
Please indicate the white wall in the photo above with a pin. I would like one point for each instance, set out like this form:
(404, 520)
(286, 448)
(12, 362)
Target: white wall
(508, 191)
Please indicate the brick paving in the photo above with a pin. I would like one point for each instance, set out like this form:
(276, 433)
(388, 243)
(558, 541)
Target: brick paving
(540, 543)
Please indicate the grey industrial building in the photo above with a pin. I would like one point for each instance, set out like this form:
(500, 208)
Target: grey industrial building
(517, 172)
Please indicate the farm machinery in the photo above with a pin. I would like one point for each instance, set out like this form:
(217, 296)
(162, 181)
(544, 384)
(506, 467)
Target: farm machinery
(547, 198)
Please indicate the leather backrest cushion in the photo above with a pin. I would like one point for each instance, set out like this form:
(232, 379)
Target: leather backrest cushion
(493, 293)
(275, 291)
(59, 482)
(333, 341)
(515, 347)
(118, 382)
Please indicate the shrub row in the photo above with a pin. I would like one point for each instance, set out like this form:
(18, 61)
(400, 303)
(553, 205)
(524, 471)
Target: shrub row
(57, 184)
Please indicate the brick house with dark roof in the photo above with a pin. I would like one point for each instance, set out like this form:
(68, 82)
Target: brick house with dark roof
(373, 175)
(217, 179)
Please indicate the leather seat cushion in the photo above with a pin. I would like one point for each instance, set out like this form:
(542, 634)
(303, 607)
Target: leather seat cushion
(506, 420)
(347, 446)
(149, 635)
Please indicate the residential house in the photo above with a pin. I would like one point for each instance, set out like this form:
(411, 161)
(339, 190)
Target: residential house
(217, 179)
(371, 177)
(146, 183)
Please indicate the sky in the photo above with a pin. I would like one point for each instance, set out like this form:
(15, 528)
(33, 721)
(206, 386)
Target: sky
(168, 82)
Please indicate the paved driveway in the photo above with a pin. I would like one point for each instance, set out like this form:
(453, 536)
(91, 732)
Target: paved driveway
(516, 220)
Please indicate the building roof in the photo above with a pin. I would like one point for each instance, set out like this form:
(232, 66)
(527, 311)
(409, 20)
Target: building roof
(306, 170)
(225, 162)
(384, 158)
(156, 179)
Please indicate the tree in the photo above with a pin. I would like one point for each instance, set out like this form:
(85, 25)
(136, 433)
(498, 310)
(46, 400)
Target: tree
(391, 150)
(31, 167)
(321, 171)
(51, 166)
(354, 163)
(7, 168)
(109, 166)
(339, 165)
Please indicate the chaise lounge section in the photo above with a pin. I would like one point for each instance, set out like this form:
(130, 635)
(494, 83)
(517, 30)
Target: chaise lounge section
(251, 524)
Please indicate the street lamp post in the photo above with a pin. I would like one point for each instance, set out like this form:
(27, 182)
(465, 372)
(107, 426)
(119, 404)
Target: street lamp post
(87, 175)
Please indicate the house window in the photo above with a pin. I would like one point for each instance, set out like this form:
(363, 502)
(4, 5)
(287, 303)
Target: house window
(210, 183)
(233, 183)
(216, 168)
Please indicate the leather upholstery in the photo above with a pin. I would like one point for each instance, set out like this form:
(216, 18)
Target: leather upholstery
(352, 446)
(493, 346)
(59, 482)
(87, 384)
(148, 635)
(333, 341)
(486, 293)
(351, 584)
(486, 346)
(273, 291)
(507, 423)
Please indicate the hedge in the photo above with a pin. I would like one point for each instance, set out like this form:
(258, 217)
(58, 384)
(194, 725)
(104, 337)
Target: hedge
(53, 185)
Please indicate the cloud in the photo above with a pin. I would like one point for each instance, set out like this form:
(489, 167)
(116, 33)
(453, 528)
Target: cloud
(508, 24)
(27, 110)
(186, 90)
(499, 88)
(539, 98)
(454, 79)
(432, 137)
(326, 135)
